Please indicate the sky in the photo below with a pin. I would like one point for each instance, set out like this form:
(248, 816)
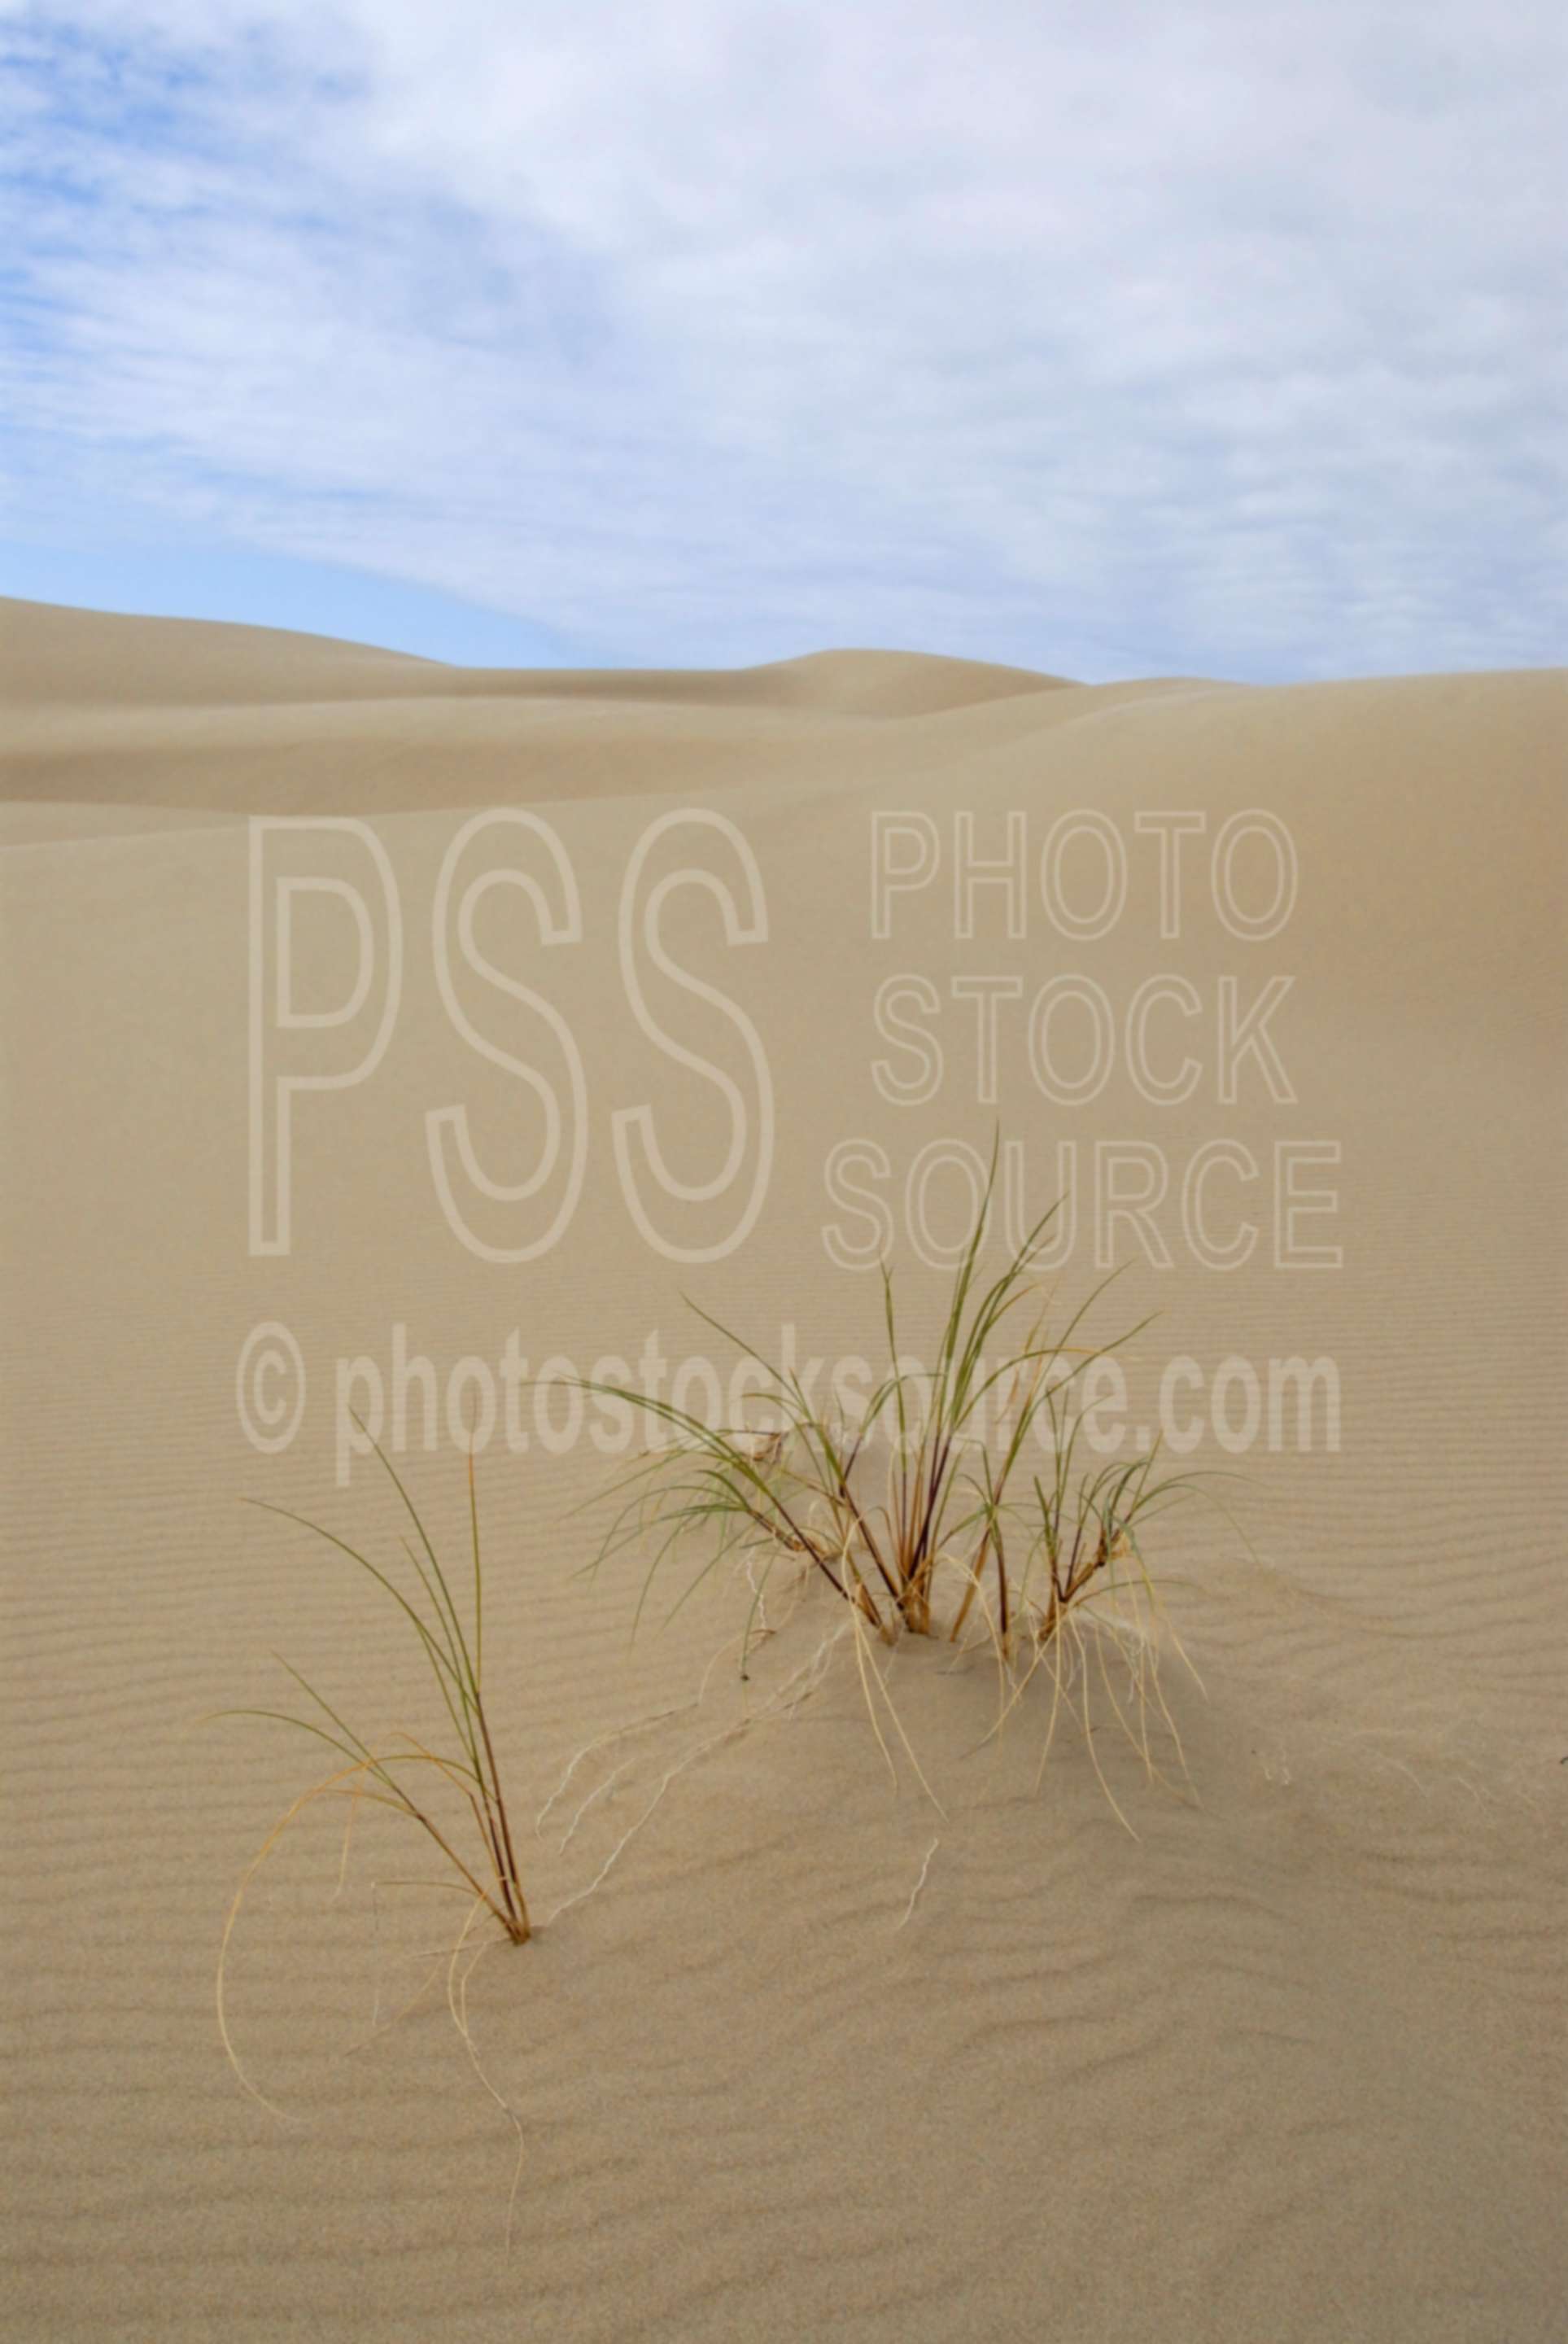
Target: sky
(1128, 337)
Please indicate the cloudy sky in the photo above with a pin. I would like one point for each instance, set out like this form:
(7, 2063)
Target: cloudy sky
(1129, 337)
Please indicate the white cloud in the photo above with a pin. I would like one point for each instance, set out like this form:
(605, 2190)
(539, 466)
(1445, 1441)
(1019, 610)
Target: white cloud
(1114, 339)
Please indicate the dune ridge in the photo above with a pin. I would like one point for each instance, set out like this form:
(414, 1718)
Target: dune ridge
(52, 653)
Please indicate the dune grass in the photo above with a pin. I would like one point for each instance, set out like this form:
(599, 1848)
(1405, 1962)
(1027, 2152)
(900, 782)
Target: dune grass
(961, 1531)
(454, 1794)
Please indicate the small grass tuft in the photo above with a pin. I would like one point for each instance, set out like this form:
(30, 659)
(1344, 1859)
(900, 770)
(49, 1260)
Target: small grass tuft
(408, 1774)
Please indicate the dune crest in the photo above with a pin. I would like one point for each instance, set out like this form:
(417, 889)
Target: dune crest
(54, 654)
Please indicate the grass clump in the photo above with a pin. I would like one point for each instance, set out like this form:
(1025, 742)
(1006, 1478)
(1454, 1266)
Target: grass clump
(959, 1528)
(454, 1794)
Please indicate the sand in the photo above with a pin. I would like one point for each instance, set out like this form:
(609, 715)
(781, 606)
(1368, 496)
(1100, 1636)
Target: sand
(1285, 2063)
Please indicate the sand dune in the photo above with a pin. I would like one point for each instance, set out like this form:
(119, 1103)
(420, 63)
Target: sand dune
(1287, 2064)
(52, 655)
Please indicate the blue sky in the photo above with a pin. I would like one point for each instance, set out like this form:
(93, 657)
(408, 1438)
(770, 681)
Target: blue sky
(1222, 339)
